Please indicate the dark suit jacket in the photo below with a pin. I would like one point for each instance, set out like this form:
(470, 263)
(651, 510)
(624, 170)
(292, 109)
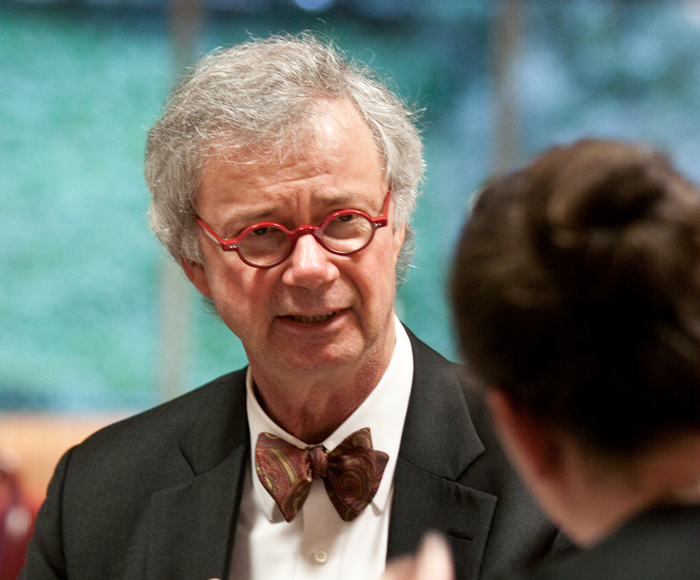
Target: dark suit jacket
(660, 544)
(156, 496)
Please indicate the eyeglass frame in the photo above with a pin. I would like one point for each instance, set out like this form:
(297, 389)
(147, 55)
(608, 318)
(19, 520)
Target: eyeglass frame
(231, 244)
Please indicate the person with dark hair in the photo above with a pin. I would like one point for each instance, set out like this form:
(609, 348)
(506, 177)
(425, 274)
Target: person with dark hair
(576, 296)
(283, 176)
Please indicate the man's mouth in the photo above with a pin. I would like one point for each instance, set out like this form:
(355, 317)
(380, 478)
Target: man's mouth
(311, 319)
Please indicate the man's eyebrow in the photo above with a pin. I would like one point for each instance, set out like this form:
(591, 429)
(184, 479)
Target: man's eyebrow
(347, 199)
(268, 214)
(248, 217)
(254, 215)
(342, 199)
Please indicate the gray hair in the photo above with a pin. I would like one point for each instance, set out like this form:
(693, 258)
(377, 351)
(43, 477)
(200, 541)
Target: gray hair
(259, 96)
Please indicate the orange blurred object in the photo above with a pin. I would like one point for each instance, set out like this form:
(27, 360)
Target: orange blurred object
(30, 446)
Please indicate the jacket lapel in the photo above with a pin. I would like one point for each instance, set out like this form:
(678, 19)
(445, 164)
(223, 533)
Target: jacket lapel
(191, 526)
(439, 442)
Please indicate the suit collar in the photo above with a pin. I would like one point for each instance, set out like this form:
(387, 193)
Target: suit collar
(439, 434)
(439, 443)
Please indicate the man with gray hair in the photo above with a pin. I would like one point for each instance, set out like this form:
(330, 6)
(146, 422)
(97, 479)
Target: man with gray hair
(283, 177)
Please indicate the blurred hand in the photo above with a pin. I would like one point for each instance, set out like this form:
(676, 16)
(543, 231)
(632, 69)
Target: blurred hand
(433, 562)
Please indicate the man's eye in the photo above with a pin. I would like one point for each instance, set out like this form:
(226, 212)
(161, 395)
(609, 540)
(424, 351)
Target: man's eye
(347, 217)
(261, 231)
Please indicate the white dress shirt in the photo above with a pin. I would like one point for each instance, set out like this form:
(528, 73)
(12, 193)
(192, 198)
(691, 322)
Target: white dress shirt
(317, 544)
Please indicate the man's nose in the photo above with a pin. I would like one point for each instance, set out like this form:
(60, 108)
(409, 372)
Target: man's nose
(310, 264)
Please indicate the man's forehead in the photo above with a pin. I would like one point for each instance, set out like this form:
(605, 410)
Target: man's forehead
(326, 122)
(252, 159)
(333, 162)
(261, 191)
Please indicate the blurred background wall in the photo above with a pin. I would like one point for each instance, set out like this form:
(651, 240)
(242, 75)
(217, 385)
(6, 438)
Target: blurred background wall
(92, 319)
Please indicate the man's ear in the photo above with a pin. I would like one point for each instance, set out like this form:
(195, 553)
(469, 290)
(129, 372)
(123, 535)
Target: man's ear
(399, 238)
(531, 443)
(196, 274)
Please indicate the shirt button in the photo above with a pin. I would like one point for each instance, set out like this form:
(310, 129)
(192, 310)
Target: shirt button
(321, 557)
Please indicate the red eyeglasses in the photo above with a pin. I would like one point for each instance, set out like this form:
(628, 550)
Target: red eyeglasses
(267, 244)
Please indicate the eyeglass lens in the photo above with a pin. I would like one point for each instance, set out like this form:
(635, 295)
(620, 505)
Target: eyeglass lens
(345, 233)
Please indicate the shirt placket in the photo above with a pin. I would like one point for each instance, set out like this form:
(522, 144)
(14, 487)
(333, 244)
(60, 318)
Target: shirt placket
(321, 545)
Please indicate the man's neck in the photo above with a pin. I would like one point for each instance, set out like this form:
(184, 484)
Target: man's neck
(312, 405)
(311, 414)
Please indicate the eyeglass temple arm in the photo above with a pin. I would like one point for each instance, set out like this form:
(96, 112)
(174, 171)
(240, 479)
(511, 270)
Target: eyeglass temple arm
(382, 220)
(225, 245)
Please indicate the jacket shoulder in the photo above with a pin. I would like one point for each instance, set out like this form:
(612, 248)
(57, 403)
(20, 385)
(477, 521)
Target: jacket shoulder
(164, 445)
(214, 401)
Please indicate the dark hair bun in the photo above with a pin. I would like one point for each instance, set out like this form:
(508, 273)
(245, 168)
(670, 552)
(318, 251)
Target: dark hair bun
(622, 225)
(576, 289)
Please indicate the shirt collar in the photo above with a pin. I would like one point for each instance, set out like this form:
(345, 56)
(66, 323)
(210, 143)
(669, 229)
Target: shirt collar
(383, 411)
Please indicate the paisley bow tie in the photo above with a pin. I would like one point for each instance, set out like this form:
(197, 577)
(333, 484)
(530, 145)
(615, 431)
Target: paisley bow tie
(351, 472)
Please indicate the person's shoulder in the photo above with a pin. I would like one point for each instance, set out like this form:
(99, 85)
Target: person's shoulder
(656, 544)
(430, 363)
(166, 424)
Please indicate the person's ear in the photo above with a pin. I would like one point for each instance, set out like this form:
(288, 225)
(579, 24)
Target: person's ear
(531, 443)
(196, 274)
(399, 238)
